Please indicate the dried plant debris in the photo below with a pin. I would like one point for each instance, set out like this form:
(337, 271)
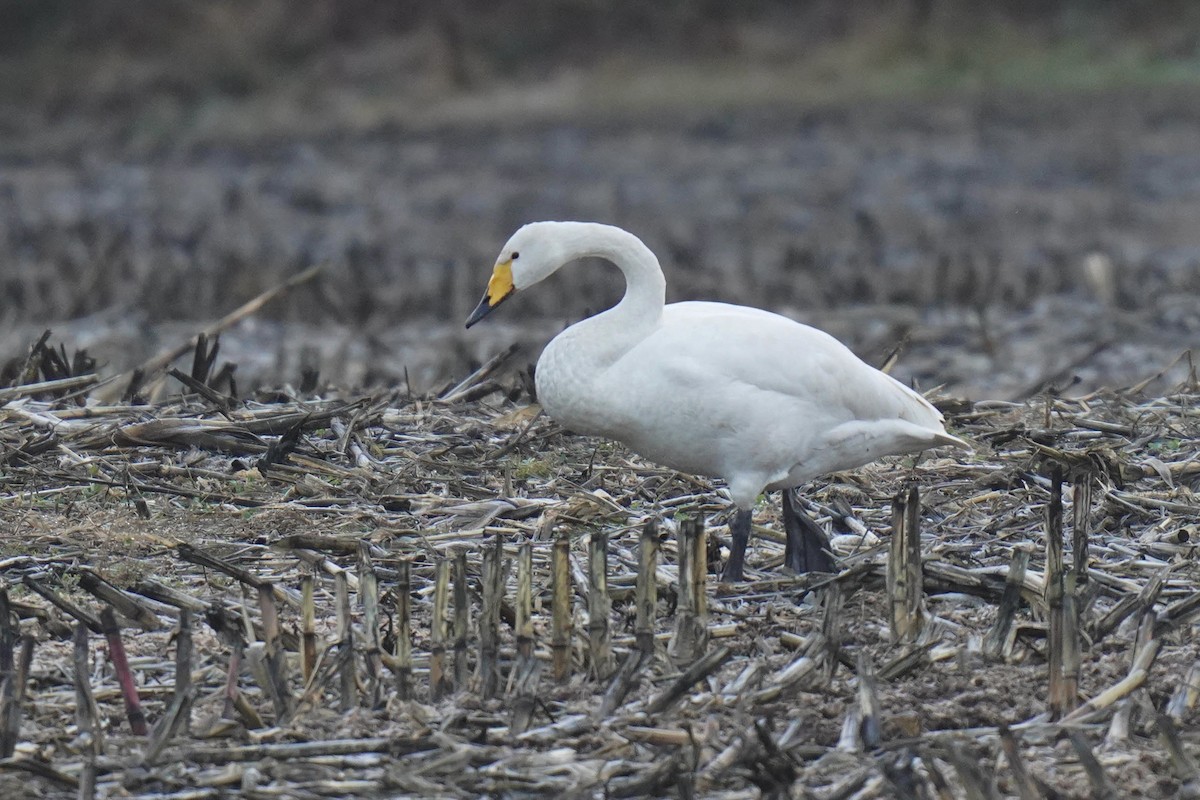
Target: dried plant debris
(388, 595)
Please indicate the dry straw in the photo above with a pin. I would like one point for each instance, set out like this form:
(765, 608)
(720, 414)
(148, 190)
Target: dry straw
(294, 551)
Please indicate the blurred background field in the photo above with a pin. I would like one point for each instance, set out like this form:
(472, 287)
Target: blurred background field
(1012, 188)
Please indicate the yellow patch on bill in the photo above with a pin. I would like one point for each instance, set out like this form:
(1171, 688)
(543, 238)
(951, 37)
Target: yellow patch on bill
(501, 283)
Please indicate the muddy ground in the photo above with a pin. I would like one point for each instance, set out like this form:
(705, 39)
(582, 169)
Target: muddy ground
(1014, 240)
(1016, 243)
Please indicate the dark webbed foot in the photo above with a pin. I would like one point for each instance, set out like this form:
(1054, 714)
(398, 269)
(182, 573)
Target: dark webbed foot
(807, 548)
(740, 530)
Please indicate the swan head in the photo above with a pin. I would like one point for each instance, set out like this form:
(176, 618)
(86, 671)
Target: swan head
(531, 254)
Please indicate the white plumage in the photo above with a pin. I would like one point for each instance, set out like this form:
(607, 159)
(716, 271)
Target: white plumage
(731, 392)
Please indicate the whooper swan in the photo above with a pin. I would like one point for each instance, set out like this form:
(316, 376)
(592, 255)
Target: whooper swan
(713, 389)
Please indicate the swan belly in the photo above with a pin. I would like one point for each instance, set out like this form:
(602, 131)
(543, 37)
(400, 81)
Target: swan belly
(701, 430)
(685, 436)
(772, 446)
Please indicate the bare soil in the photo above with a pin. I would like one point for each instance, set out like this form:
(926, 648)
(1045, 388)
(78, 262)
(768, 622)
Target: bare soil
(1013, 240)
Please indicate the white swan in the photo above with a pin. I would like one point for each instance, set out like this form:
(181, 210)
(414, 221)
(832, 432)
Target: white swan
(713, 389)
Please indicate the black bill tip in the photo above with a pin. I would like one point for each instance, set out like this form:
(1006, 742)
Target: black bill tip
(484, 308)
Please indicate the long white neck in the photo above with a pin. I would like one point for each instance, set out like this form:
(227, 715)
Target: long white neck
(573, 369)
(645, 287)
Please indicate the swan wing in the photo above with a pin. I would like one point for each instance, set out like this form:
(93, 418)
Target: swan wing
(714, 343)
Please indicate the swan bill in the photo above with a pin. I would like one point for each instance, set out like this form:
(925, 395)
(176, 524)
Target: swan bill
(500, 288)
(485, 307)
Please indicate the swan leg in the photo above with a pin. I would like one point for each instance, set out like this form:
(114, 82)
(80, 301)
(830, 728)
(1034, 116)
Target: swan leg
(740, 531)
(807, 546)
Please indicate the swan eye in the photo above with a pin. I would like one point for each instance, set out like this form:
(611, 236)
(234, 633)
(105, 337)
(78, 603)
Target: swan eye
(515, 255)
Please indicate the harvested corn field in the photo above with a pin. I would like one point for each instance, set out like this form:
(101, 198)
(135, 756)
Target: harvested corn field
(322, 595)
(342, 555)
